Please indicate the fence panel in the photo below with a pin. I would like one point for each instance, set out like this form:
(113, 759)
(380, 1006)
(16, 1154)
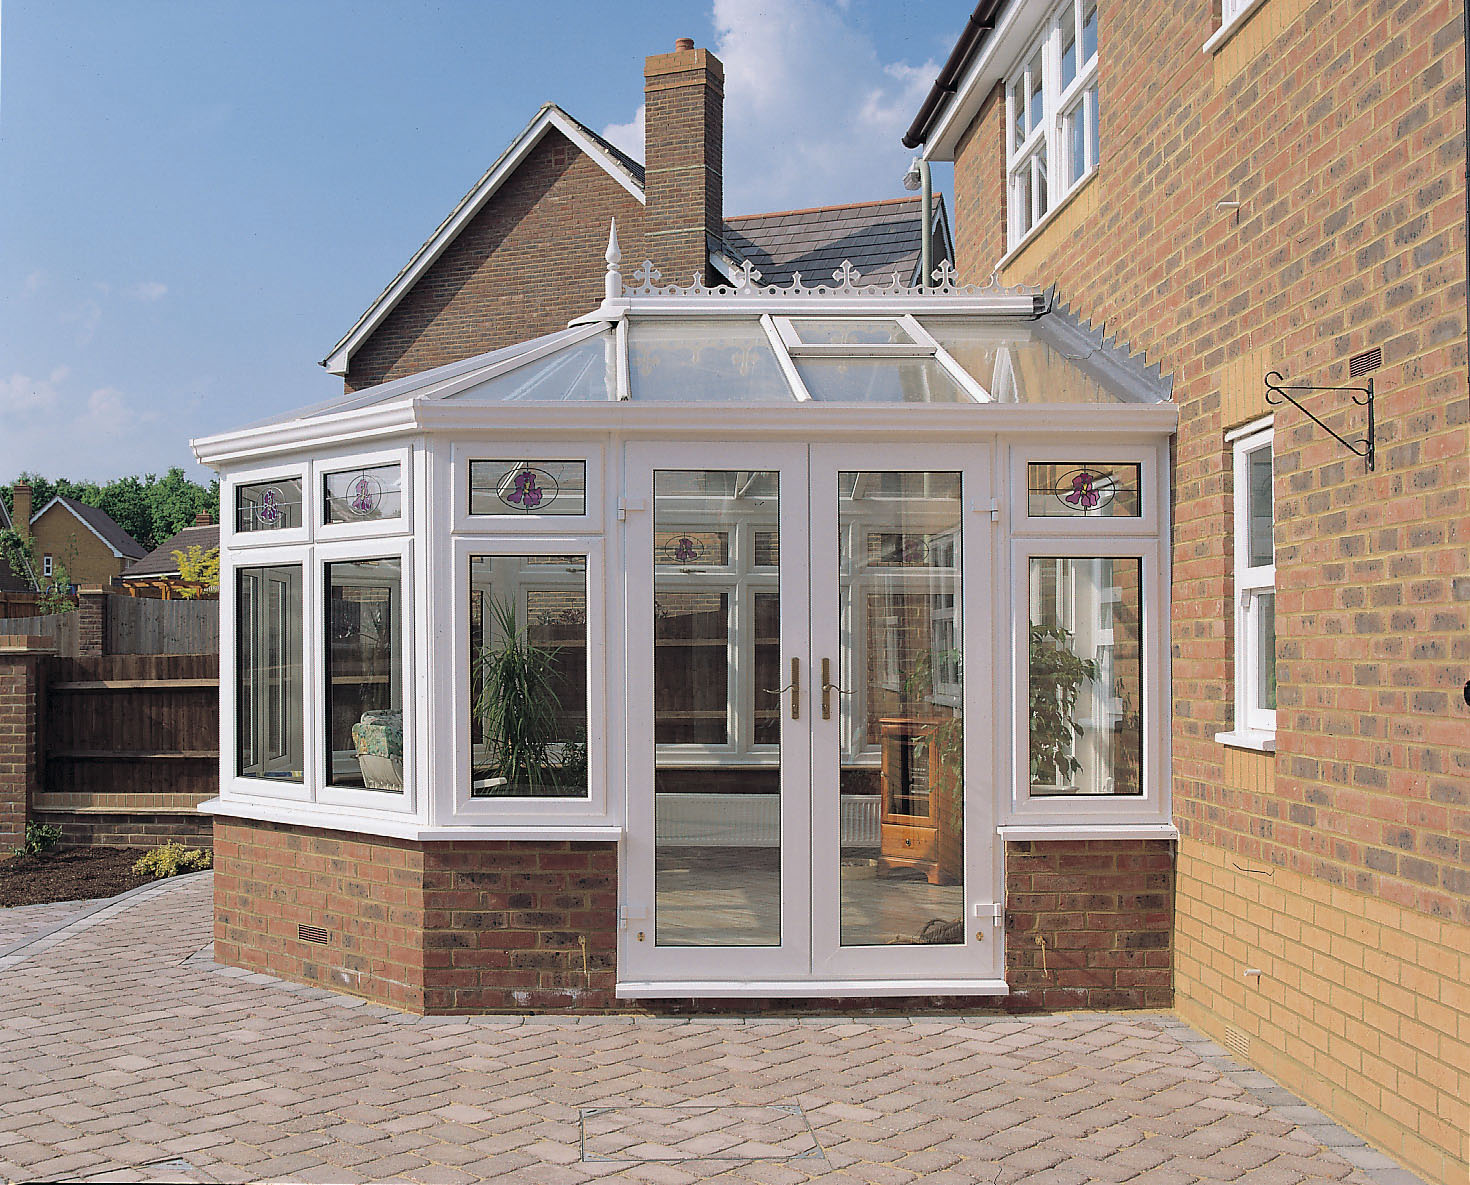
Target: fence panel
(62, 627)
(142, 625)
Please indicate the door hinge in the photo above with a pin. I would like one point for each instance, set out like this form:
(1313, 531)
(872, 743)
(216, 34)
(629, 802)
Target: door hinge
(628, 506)
(994, 510)
(992, 910)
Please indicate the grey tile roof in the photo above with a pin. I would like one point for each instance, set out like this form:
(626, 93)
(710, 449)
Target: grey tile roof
(634, 167)
(879, 238)
(104, 524)
(160, 561)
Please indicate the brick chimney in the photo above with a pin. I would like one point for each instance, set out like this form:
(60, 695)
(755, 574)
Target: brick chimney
(23, 510)
(683, 152)
(204, 519)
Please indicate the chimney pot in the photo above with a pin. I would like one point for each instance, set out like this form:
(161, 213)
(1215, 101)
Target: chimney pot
(683, 43)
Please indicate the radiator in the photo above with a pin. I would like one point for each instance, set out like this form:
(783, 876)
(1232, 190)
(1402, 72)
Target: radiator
(749, 820)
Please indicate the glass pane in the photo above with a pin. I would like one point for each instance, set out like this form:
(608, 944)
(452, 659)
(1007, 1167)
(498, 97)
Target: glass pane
(1086, 676)
(1024, 366)
(584, 371)
(1074, 134)
(1094, 154)
(718, 698)
(1039, 181)
(1034, 82)
(528, 676)
(850, 331)
(1071, 489)
(1023, 199)
(1265, 625)
(364, 675)
(1089, 30)
(900, 692)
(703, 360)
(1069, 50)
(362, 495)
(268, 711)
(878, 380)
(268, 505)
(528, 487)
(1261, 540)
(1018, 111)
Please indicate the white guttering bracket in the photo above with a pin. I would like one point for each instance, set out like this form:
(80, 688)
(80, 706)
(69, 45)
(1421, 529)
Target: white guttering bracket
(783, 359)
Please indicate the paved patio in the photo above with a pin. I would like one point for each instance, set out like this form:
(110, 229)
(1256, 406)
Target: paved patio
(130, 1056)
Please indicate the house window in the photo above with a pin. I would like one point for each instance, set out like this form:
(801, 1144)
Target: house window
(1255, 587)
(48, 566)
(364, 675)
(368, 494)
(268, 709)
(520, 487)
(268, 505)
(1051, 117)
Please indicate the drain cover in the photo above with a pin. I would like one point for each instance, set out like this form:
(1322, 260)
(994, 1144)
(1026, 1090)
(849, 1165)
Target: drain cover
(692, 1132)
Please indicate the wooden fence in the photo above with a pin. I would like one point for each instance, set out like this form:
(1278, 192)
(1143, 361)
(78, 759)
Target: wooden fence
(131, 746)
(62, 628)
(139, 625)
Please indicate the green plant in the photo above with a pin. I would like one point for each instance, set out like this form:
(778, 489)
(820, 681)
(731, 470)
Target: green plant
(40, 837)
(1057, 675)
(517, 705)
(172, 858)
(198, 571)
(19, 554)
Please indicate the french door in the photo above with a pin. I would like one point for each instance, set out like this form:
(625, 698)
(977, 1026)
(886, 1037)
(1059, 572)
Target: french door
(809, 724)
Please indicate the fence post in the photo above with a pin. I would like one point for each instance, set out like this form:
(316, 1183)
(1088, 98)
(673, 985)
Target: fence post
(92, 625)
(20, 730)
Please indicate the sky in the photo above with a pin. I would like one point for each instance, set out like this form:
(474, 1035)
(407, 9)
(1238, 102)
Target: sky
(199, 197)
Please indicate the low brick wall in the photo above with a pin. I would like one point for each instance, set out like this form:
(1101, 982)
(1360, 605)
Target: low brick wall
(127, 829)
(462, 927)
(1103, 912)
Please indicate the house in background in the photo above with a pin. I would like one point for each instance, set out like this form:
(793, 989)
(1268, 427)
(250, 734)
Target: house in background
(1274, 196)
(10, 579)
(509, 263)
(157, 573)
(71, 535)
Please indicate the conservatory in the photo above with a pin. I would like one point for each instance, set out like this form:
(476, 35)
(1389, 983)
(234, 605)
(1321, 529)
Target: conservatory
(714, 646)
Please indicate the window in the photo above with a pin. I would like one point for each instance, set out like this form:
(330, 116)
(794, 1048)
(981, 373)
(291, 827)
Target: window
(268, 708)
(1255, 589)
(48, 566)
(364, 675)
(268, 505)
(1233, 14)
(1082, 489)
(520, 487)
(367, 494)
(1052, 117)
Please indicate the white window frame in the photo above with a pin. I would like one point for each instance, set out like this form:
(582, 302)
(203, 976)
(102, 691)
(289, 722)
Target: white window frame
(48, 566)
(285, 470)
(1024, 158)
(594, 513)
(1255, 726)
(346, 462)
(1233, 14)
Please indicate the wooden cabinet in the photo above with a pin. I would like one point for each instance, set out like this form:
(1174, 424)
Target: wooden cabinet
(921, 827)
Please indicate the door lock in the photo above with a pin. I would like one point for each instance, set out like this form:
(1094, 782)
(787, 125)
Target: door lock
(794, 687)
(828, 687)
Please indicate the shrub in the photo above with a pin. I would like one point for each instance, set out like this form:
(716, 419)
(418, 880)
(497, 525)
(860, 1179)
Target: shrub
(172, 858)
(40, 837)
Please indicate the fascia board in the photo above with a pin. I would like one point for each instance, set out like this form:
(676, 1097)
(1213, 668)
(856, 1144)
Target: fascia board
(1020, 23)
(35, 518)
(229, 448)
(549, 116)
(984, 305)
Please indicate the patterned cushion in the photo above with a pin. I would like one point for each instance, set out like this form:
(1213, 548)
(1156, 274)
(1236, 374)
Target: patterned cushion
(379, 734)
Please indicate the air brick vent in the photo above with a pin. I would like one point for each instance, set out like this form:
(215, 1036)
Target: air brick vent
(1361, 364)
(1238, 1042)
(311, 933)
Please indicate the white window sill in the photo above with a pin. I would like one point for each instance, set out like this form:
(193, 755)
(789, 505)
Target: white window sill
(1061, 831)
(1228, 30)
(1248, 738)
(1046, 219)
(313, 815)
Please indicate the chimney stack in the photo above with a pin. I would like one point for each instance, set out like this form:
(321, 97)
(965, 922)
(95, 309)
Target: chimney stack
(204, 519)
(683, 152)
(23, 510)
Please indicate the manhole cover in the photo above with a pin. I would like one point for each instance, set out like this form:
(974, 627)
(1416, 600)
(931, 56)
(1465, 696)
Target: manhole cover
(691, 1132)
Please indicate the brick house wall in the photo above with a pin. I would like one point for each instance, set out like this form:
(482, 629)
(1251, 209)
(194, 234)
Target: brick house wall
(20, 693)
(86, 558)
(1339, 129)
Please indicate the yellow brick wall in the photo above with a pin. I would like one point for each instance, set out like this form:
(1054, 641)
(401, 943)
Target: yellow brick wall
(1362, 1007)
(88, 561)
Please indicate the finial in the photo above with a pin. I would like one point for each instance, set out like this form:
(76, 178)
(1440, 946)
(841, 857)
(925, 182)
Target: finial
(613, 285)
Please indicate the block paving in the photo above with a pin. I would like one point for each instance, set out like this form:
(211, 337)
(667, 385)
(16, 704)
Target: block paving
(132, 1056)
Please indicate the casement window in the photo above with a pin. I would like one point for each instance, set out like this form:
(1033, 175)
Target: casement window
(1255, 591)
(1233, 14)
(48, 567)
(1052, 117)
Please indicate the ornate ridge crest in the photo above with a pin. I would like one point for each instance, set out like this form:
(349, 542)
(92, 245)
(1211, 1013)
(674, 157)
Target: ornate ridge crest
(847, 281)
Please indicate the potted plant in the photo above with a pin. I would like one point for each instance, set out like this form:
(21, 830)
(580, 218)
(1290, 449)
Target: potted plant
(1057, 674)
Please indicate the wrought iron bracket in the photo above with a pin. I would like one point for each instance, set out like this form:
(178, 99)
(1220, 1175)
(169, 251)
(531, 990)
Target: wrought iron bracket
(1364, 448)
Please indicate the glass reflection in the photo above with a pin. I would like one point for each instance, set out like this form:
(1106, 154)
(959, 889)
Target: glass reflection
(901, 791)
(717, 708)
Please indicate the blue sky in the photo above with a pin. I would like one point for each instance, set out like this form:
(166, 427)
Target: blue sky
(197, 199)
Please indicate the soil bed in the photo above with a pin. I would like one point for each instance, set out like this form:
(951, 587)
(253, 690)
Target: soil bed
(70, 874)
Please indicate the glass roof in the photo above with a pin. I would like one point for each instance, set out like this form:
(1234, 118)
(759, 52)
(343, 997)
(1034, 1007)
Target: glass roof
(586, 370)
(703, 360)
(879, 380)
(849, 331)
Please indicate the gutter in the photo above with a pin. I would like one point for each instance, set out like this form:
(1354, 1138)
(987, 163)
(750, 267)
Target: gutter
(977, 29)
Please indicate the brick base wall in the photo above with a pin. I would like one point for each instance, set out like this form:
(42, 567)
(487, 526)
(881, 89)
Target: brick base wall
(127, 829)
(20, 659)
(1089, 924)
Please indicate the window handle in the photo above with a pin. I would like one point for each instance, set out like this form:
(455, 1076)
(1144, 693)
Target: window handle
(794, 687)
(828, 687)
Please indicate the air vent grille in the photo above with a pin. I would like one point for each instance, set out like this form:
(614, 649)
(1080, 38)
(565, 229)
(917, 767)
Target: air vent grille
(1361, 364)
(311, 933)
(1238, 1042)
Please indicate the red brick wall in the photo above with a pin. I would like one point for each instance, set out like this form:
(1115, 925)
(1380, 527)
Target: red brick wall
(440, 928)
(525, 265)
(684, 96)
(1103, 911)
(20, 659)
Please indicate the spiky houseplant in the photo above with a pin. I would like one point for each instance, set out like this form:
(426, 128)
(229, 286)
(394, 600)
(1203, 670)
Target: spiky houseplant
(1057, 675)
(516, 703)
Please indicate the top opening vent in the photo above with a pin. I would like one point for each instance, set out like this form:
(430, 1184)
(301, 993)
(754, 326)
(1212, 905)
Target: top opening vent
(1361, 364)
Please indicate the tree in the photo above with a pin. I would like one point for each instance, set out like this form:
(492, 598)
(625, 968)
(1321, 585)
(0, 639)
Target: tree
(149, 508)
(20, 555)
(198, 571)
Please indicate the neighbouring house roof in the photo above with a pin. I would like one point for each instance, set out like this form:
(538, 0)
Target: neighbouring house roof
(873, 236)
(100, 523)
(878, 238)
(161, 562)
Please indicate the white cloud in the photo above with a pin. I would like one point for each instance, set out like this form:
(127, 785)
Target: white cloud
(34, 281)
(148, 291)
(813, 110)
(81, 432)
(23, 398)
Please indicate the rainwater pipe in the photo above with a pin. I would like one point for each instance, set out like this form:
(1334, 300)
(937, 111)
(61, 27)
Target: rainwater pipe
(918, 177)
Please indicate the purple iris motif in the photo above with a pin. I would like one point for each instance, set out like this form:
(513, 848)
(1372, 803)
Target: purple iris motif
(270, 507)
(525, 493)
(364, 495)
(1083, 495)
(685, 550)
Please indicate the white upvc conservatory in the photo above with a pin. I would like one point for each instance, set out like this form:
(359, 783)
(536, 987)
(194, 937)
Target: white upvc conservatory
(806, 598)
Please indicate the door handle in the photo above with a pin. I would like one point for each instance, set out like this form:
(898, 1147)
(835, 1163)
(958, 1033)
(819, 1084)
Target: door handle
(828, 687)
(794, 687)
